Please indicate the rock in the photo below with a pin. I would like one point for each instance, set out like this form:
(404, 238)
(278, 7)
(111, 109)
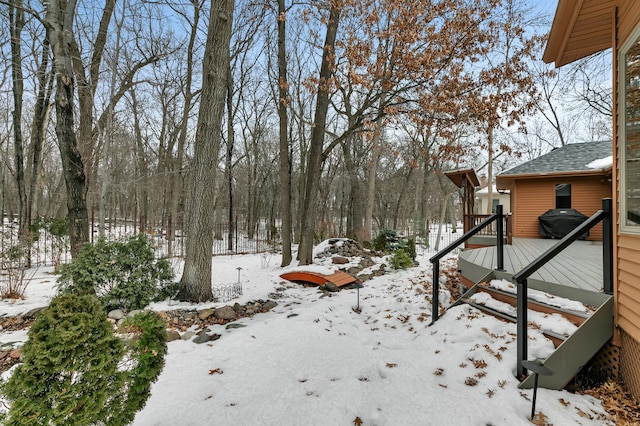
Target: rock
(205, 313)
(189, 315)
(237, 307)
(201, 338)
(353, 270)
(250, 311)
(115, 314)
(16, 353)
(269, 305)
(331, 287)
(187, 335)
(3, 354)
(33, 312)
(234, 325)
(292, 315)
(364, 277)
(172, 335)
(339, 260)
(225, 313)
(134, 313)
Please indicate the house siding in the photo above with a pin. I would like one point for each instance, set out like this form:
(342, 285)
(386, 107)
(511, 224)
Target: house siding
(533, 197)
(627, 246)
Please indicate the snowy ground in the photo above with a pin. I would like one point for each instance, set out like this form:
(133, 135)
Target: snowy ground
(313, 360)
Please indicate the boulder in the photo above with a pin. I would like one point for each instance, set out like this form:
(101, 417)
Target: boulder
(205, 313)
(339, 260)
(172, 335)
(270, 304)
(331, 287)
(115, 314)
(225, 313)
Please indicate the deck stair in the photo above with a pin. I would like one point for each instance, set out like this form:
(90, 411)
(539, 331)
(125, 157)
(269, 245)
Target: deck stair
(581, 334)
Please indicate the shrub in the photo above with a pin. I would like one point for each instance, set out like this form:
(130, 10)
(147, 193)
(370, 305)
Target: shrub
(386, 240)
(76, 371)
(122, 275)
(70, 366)
(15, 263)
(400, 259)
(410, 248)
(147, 345)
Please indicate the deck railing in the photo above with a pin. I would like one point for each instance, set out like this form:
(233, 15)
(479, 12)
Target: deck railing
(469, 221)
(498, 218)
(520, 279)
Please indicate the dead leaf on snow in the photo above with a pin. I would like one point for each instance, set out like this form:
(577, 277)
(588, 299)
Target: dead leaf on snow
(215, 371)
(357, 421)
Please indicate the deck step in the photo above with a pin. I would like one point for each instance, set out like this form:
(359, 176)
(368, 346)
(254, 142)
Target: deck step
(594, 328)
(556, 338)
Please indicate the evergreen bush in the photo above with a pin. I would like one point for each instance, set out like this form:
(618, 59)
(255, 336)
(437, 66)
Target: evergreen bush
(70, 365)
(76, 371)
(121, 274)
(386, 241)
(400, 259)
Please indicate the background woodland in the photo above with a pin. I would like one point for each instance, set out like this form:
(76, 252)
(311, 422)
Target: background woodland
(311, 119)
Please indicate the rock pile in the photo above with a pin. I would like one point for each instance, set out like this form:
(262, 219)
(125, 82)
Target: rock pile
(181, 323)
(342, 251)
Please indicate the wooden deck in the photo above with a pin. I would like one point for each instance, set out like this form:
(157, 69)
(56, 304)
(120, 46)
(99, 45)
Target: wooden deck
(578, 266)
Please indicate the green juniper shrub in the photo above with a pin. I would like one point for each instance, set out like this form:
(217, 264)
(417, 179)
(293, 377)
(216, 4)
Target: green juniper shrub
(146, 345)
(70, 366)
(77, 371)
(121, 274)
(400, 259)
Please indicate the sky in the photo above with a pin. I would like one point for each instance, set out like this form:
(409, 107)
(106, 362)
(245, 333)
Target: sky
(313, 360)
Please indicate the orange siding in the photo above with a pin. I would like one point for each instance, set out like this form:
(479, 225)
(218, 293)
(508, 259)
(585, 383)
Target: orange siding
(628, 291)
(627, 247)
(533, 197)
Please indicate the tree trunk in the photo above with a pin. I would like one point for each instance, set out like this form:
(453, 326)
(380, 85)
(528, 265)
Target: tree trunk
(40, 114)
(490, 170)
(195, 285)
(314, 163)
(16, 18)
(229, 159)
(371, 181)
(285, 161)
(59, 20)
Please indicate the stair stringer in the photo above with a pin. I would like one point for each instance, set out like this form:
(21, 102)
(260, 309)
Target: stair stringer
(569, 358)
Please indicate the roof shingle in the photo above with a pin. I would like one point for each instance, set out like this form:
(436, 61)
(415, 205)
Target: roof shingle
(569, 158)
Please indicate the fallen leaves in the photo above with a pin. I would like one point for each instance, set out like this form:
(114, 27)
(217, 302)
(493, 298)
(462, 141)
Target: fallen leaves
(618, 403)
(391, 365)
(357, 421)
(216, 371)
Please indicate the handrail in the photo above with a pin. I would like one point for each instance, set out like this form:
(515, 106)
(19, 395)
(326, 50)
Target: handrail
(435, 259)
(520, 278)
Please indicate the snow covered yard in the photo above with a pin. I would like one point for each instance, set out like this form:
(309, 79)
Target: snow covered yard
(313, 360)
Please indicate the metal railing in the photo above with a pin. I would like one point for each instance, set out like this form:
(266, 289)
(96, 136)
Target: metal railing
(497, 217)
(520, 279)
(472, 220)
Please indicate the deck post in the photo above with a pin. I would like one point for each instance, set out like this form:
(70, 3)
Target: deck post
(500, 237)
(436, 289)
(521, 329)
(607, 246)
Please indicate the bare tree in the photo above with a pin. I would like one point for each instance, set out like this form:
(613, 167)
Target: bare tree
(195, 284)
(59, 17)
(314, 163)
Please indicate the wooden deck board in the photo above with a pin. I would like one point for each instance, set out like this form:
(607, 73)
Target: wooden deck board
(578, 266)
